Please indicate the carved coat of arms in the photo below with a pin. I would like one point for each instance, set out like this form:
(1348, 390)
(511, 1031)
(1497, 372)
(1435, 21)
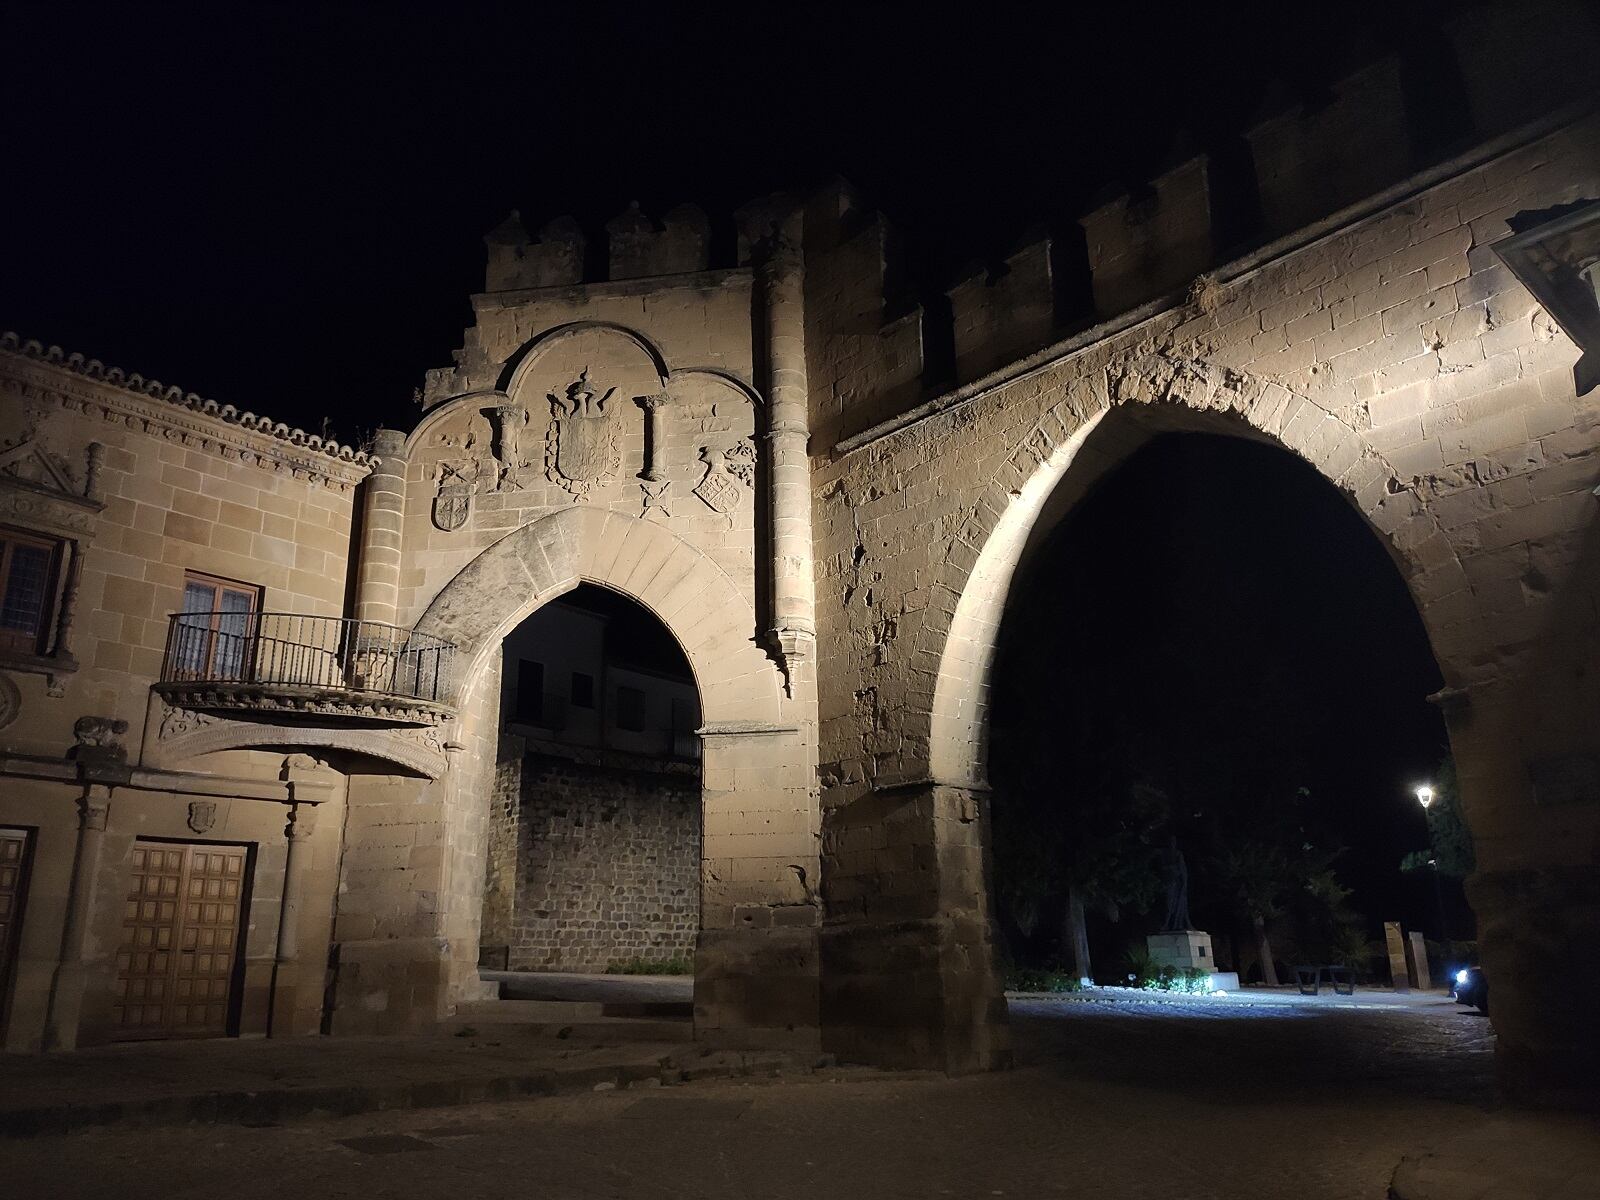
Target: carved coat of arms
(726, 468)
(452, 504)
(581, 448)
(202, 815)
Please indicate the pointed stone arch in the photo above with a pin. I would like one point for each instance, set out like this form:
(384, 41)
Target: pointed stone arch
(1077, 441)
(646, 562)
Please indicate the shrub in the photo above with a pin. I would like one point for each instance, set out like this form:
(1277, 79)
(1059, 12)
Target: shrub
(1041, 979)
(680, 965)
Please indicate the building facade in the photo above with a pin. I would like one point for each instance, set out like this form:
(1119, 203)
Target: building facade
(251, 694)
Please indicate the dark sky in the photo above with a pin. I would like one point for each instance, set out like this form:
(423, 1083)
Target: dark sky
(282, 207)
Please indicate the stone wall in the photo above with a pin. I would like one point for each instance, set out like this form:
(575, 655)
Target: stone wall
(1398, 357)
(605, 859)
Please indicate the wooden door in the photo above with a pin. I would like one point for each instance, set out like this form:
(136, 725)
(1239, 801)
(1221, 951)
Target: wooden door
(13, 885)
(181, 933)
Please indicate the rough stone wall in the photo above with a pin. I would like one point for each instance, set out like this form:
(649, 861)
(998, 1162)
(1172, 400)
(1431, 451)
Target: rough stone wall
(607, 864)
(1402, 361)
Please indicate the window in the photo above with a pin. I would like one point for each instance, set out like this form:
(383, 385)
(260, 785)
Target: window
(582, 690)
(27, 588)
(215, 630)
(530, 691)
(630, 709)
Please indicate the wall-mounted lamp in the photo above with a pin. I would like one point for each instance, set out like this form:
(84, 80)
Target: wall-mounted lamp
(1555, 254)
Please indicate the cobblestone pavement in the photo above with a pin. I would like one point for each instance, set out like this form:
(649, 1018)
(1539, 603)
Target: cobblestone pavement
(1120, 1099)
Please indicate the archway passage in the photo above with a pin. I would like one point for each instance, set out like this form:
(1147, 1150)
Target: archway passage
(1211, 666)
(595, 823)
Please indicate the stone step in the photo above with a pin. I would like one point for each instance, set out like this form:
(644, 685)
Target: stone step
(580, 1010)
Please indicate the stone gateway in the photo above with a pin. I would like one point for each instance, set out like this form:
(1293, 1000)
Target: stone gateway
(265, 663)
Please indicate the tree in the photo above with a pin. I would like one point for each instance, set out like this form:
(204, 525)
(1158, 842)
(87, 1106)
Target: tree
(1266, 855)
(1089, 845)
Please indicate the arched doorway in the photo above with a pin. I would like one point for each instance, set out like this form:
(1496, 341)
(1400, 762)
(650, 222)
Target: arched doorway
(415, 933)
(1210, 668)
(593, 859)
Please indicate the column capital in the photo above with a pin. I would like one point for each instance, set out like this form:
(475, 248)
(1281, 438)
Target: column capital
(94, 806)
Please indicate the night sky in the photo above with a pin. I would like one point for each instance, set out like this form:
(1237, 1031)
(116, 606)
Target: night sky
(282, 209)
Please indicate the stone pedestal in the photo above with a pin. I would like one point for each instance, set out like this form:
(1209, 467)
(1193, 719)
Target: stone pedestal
(1186, 949)
(909, 970)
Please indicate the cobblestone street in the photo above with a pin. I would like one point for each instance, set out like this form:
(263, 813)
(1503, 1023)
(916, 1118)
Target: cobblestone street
(1119, 1098)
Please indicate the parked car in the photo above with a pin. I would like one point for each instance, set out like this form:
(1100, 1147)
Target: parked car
(1471, 986)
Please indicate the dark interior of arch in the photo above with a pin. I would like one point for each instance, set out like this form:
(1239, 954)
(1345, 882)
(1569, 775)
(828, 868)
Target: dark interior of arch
(1210, 630)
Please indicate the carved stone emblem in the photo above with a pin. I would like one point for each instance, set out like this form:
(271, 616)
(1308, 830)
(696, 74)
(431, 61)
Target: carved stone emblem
(202, 815)
(508, 422)
(655, 496)
(581, 447)
(726, 468)
(452, 504)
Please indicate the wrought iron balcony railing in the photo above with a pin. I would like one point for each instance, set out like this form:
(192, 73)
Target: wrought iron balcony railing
(256, 659)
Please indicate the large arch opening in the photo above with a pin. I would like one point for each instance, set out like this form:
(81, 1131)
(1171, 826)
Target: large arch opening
(595, 825)
(1210, 666)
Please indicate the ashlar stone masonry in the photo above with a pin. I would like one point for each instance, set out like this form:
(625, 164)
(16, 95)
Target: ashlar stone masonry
(773, 456)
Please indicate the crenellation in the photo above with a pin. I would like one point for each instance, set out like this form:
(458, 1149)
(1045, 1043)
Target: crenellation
(1145, 246)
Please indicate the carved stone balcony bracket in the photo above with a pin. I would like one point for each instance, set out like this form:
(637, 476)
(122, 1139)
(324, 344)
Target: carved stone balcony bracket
(312, 705)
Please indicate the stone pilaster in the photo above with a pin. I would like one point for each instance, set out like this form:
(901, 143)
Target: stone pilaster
(66, 988)
(782, 277)
(910, 974)
(378, 584)
(286, 973)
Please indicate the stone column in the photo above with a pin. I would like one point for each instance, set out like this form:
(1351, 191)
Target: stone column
(652, 406)
(66, 988)
(782, 276)
(286, 965)
(910, 970)
(378, 580)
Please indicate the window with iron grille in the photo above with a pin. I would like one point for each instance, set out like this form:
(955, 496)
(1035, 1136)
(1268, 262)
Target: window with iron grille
(216, 628)
(28, 567)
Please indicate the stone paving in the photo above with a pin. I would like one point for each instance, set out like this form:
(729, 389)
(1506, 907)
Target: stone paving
(1117, 1098)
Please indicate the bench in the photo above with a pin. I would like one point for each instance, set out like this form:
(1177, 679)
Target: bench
(1309, 979)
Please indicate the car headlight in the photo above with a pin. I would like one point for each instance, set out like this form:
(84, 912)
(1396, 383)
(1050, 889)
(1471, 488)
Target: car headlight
(1461, 976)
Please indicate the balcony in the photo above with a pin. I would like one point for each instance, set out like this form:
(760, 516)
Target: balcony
(292, 664)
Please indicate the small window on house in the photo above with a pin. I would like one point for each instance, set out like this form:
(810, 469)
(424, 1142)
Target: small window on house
(530, 691)
(630, 709)
(27, 589)
(216, 631)
(582, 690)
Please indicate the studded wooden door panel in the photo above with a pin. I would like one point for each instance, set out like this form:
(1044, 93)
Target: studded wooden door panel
(13, 859)
(175, 968)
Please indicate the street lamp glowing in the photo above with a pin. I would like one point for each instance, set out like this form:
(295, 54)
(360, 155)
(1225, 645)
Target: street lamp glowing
(1425, 795)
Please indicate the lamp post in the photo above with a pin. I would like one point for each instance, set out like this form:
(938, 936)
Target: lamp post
(1425, 797)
